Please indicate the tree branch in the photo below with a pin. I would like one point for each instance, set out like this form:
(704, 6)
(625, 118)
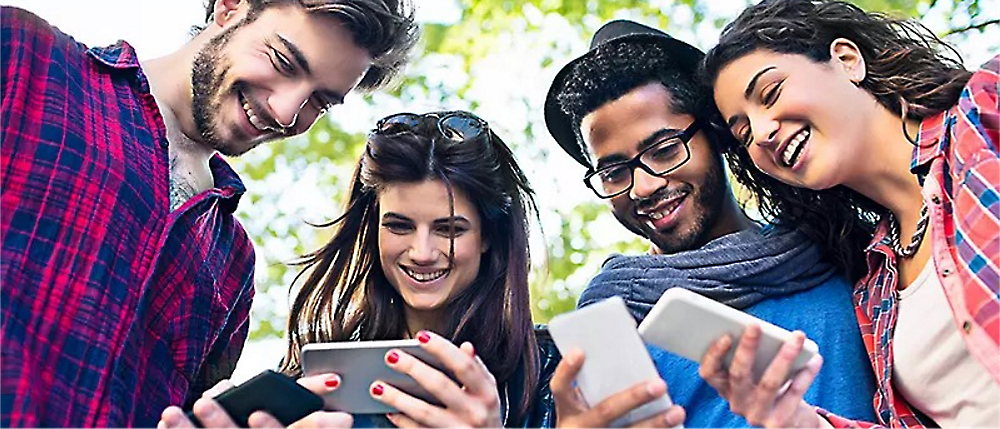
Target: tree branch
(971, 27)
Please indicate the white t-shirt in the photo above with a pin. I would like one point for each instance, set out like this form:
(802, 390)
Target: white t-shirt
(932, 367)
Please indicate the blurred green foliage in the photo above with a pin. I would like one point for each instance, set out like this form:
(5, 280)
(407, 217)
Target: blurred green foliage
(495, 57)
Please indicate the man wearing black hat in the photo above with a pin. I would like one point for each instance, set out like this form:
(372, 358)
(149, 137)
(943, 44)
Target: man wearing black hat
(633, 112)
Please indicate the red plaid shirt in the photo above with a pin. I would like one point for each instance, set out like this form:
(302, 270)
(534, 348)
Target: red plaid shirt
(113, 306)
(958, 151)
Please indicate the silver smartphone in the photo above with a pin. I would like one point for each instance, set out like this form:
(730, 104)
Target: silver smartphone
(614, 356)
(359, 364)
(686, 324)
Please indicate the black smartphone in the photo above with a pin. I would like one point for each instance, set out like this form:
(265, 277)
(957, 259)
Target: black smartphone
(271, 392)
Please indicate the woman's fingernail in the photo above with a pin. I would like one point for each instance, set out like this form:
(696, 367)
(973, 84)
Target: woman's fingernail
(392, 357)
(424, 337)
(332, 382)
(377, 389)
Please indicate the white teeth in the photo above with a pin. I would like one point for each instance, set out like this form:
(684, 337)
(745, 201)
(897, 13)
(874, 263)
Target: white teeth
(664, 210)
(252, 116)
(425, 277)
(793, 146)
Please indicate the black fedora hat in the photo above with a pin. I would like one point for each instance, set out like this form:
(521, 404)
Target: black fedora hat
(684, 56)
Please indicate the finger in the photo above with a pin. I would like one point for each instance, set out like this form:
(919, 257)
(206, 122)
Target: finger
(432, 380)
(566, 396)
(261, 419)
(321, 384)
(468, 348)
(741, 381)
(219, 387)
(619, 404)
(211, 414)
(791, 401)
(174, 417)
(325, 419)
(673, 417)
(776, 374)
(401, 421)
(712, 368)
(418, 410)
(473, 376)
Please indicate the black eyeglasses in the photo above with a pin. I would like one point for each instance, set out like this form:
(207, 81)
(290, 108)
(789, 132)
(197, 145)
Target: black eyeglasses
(455, 126)
(659, 159)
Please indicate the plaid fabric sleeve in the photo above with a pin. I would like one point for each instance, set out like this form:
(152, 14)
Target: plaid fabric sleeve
(221, 361)
(976, 199)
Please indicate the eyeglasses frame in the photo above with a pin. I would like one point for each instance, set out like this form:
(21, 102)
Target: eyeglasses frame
(684, 136)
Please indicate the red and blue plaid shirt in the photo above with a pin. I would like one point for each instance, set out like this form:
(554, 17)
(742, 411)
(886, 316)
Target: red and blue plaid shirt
(958, 154)
(114, 307)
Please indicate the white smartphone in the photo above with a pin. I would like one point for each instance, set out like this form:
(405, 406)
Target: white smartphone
(686, 324)
(359, 364)
(614, 355)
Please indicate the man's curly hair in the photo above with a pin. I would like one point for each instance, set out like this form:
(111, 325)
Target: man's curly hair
(616, 68)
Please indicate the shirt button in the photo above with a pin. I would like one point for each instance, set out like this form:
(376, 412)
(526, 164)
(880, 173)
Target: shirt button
(967, 326)
(946, 272)
(936, 199)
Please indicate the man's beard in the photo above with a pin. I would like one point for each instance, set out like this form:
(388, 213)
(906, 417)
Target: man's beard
(708, 196)
(207, 89)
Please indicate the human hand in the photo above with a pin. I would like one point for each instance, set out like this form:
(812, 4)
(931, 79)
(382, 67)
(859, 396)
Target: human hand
(771, 402)
(572, 410)
(212, 415)
(471, 401)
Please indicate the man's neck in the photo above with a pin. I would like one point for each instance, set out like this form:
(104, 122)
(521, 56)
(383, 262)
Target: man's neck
(190, 173)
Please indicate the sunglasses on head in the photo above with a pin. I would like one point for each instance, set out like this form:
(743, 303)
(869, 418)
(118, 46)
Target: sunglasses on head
(454, 126)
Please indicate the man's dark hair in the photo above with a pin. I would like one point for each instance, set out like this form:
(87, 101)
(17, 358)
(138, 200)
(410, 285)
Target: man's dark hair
(385, 28)
(616, 68)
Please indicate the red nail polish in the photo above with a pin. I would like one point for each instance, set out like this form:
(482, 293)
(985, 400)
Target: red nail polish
(377, 390)
(424, 337)
(393, 357)
(333, 382)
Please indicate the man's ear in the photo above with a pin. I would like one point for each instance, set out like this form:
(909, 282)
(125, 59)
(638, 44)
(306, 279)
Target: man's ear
(227, 10)
(846, 54)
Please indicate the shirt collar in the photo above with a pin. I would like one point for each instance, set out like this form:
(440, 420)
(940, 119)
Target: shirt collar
(121, 55)
(930, 140)
(227, 181)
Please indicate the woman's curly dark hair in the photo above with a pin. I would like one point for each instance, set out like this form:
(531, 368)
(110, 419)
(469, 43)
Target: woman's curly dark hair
(909, 71)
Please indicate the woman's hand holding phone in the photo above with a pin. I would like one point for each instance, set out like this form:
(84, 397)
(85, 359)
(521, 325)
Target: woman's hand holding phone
(469, 400)
(211, 414)
(771, 402)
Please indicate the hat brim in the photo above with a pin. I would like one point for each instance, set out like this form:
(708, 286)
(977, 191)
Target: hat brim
(561, 126)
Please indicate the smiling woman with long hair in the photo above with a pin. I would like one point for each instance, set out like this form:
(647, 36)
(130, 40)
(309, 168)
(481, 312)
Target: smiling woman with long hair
(434, 239)
(854, 124)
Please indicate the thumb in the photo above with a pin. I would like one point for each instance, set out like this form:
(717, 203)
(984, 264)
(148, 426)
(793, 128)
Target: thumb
(320, 383)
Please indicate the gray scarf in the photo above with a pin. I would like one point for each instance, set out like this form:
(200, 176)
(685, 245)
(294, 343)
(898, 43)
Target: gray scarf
(738, 269)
